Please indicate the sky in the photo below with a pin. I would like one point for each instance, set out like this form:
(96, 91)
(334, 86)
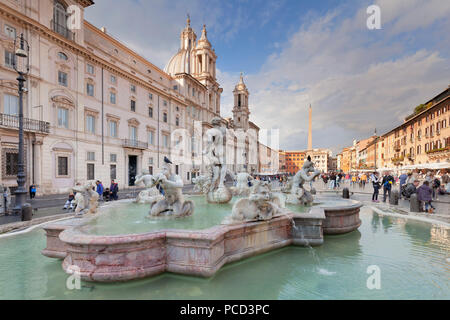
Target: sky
(299, 53)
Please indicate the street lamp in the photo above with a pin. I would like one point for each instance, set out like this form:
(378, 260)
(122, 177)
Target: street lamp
(22, 52)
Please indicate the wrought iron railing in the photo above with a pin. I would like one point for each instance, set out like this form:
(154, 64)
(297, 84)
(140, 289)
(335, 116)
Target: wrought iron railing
(11, 121)
(128, 143)
(62, 30)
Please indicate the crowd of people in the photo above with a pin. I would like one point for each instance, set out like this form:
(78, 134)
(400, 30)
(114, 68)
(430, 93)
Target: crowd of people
(105, 194)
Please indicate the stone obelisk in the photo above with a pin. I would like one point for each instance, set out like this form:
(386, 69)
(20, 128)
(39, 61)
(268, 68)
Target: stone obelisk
(310, 129)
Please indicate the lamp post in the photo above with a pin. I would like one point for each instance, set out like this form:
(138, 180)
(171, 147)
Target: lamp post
(22, 51)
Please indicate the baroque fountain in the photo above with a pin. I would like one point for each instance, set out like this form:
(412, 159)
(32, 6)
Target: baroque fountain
(255, 221)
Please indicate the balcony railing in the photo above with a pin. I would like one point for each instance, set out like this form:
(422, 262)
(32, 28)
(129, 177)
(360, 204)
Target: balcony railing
(62, 30)
(127, 143)
(11, 121)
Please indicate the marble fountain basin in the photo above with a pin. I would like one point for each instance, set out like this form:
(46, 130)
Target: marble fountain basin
(139, 247)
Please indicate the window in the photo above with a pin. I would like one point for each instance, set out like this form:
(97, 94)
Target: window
(113, 79)
(133, 105)
(165, 116)
(133, 133)
(90, 68)
(62, 56)
(150, 169)
(11, 105)
(62, 78)
(10, 32)
(150, 112)
(90, 171)
(10, 59)
(177, 169)
(177, 121)
(165, 141)
(151, 137)
(63, 118)
(113, 157)
(112, 98)
(150, 161)
(90, 89)
(90, 124)
(193, 92)
(150, 96)
(165, 103)
(112, 172)
(113, 129)
(63, 169)
(133, 88)
(60, 18)
(90, 156)
(175, 88)
(12, 161)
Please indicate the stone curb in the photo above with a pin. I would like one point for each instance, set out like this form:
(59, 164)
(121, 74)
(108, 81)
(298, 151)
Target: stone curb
(26, 224)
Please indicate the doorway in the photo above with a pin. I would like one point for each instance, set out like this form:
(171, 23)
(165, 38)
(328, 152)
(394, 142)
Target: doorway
(132, 169)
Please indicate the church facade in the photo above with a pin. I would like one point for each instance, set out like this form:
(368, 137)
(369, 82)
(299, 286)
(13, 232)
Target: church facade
(96, 110)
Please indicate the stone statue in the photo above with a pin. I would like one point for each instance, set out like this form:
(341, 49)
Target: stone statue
(299, 195)
(242, 188)
(80, 201)
(173, 204)
(202, 183)
(261, 204)
(217, 167)
(150, 195)
(288, 186)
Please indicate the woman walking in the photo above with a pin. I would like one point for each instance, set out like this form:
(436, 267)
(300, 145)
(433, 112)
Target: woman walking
(376, 186)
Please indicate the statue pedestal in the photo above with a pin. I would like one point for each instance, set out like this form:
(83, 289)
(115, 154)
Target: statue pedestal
(221, 195)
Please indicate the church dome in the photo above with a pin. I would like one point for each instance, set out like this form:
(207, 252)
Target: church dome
(179, 63)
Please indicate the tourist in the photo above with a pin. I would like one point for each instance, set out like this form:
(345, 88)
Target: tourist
(32, 191)
(106, 194)
(387, 183)
(363, 180)
(424, 195)
(436, 184)
(376, 186)
(99, 190)
(114, 189)
(403, 177)
(446, 181)
(353, 183)
(69, 203)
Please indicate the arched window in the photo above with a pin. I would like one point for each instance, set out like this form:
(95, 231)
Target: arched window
(419, 149)
(62, 56)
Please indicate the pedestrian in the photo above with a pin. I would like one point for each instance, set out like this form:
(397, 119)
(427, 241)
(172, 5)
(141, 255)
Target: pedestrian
(424, 195)
(69, 203)
(32, 191)
(363, 180)
(106, 194)
(114, 189)
(388, 182)
(402, 181)
(436, 185)
(99, 190)
(376, 186)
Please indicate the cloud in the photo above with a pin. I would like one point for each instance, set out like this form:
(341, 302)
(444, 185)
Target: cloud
(357, 80)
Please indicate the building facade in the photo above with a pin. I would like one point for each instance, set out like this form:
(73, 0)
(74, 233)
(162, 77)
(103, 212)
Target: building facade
(95, 109)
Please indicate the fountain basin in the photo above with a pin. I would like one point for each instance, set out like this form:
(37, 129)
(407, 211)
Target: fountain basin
(199, 253)
(342, 216)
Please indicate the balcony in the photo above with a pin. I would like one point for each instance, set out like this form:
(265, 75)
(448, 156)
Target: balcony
(62, 30)
(11, 121)
(134, 144)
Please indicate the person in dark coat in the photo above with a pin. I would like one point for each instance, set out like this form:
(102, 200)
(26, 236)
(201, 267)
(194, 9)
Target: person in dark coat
(114, 189)
(424, 194)
(387, 183)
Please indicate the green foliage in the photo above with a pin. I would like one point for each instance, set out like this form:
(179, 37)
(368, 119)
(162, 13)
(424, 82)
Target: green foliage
(419, 108)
